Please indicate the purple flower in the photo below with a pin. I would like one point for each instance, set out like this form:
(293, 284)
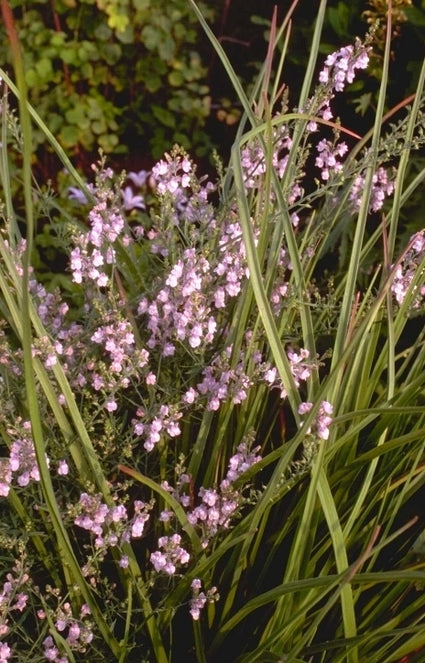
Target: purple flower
(132, 201)
(138, 179)
(77, 195)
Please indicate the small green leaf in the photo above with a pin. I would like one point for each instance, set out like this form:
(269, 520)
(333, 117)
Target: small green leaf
(150, 37)
(118, 22)
(69, 54)
(415, 16)
(126, 36)
(164, 116)
(102, 32)
(98, 126)
(69, 135)
(58, 39)
(108, 142)
(44, 69)
(31, 78)
(363, 103)
(176, 78)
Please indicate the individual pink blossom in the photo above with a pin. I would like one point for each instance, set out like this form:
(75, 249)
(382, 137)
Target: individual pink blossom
(5, 651)
(20, 603)
(63, 468)
(111, 405)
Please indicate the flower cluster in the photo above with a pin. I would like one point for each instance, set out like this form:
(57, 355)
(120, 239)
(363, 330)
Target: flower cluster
(120, 360)
(198, 285)
(50, 306)
(320, 426)
(340, 66)
(76, 632)
(382, 186)
(254, 162)
(152, 426)
(181, 310)
(173, 175)
(200, 599)
(301, 367)
(94, 249)
(339, 69)
(169, 555)
(173, 178)
(217, 506)
(110, 525)
(220, 382)
(21, 463)
(105, 358)
(328, 158)
(407, 271)
(23, 460)
(12, 599)
(231, 268)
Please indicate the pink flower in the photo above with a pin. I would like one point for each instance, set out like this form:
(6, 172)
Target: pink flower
(5, 651)
(63, 468)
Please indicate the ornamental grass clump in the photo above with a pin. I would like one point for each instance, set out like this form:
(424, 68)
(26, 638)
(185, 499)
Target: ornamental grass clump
(213, 419)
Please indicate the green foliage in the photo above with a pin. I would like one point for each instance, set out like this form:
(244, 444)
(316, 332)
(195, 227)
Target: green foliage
(117, 75)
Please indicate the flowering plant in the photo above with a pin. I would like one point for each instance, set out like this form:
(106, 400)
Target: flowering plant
(209, 441)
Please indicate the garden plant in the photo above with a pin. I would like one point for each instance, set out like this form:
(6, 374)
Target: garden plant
(213, 417)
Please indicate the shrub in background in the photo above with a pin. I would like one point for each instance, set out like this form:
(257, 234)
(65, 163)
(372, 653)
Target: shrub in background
(115, 75)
